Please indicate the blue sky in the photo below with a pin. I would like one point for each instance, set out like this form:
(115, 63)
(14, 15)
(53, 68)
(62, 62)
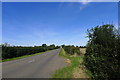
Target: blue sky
(32, 23)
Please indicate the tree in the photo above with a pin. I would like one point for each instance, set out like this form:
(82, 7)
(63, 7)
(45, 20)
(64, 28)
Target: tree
(52, 45)
(63, 46)
(44, 45)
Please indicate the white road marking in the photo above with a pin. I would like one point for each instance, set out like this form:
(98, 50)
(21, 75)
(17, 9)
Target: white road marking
(31, 61)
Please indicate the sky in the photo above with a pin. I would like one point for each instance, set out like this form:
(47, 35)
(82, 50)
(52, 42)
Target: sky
(36, 23)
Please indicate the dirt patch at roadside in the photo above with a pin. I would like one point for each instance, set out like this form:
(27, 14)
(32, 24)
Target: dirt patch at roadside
(79, 72)
(68, 61)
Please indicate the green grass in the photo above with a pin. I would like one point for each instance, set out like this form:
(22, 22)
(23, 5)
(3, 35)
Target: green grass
(67, 72)
(22, 57)
(88, 73)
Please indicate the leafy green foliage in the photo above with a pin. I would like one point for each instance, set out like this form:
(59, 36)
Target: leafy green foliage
(71, 49)
(102, 54)
(17, 51)
(82, 46)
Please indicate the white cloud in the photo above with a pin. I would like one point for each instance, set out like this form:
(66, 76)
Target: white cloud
(85, 2)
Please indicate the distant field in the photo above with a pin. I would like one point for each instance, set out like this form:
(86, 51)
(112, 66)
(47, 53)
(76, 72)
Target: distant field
(83, 50)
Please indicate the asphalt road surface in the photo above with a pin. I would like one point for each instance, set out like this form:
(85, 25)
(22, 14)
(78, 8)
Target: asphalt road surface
(38, 66)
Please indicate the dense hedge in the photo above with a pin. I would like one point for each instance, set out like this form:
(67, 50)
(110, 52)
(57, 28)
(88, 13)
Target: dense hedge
(82, 46)
(16, 51)
(103, 52)
(71, 49)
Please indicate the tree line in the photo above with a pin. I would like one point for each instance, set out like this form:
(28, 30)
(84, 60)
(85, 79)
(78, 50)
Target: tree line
(9, 51)
(103, 52)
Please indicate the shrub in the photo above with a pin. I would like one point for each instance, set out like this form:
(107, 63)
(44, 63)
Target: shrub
(71, 50)
(102, 54)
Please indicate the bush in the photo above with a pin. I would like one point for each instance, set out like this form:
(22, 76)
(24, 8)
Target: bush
(102, 54)
(71, 50)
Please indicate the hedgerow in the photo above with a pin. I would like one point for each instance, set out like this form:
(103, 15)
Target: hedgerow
(71, 50)
(103, 52)
(17, 51)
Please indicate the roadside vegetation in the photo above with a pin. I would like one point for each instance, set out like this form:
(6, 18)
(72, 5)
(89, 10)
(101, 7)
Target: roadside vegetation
(100, 57)
(99, 60)
(17, 52)
(103, 52)
(74, 62)
(71, 50)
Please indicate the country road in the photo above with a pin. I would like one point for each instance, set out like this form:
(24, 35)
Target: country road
(38, 66)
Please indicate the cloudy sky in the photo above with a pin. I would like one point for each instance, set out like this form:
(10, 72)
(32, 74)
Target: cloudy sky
(33, 23)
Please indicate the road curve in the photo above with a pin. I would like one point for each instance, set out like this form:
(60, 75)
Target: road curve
(38, 66)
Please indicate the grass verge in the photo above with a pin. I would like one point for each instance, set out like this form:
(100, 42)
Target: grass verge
(88, 73)
(67, 72)
(22, 56)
